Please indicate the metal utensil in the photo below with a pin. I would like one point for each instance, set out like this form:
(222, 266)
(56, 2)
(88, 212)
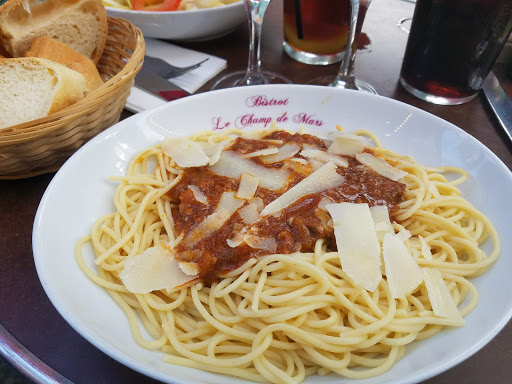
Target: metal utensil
(159, 86)
(164, 69)
(500, 102)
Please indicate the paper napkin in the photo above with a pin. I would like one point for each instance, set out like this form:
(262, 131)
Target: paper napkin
(140, 100)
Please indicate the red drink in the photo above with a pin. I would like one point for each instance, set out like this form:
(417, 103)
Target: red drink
(452, 46)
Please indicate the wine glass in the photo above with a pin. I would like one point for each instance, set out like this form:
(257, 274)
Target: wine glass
(254, 75)
(345, 77)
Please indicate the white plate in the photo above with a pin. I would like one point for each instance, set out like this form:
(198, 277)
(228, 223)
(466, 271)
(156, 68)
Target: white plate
(80, 193)
(196, 25)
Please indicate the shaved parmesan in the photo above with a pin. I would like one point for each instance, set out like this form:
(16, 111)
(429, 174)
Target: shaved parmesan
(247, 187)
(425, 249)
(185, 152)
(382, 167)
(237, 239)
(258, 242)
(152, 270)
(347, 144)
(324, 178)
(229, 202)
(328, 142)
(249, 213)
(440, 297)
(259, 203)
(227, 206)
(285, 152)
(404, 235)
(380, 216)
(299, 160)
(207, 227)
(262, 152)
(199, 196)
(232, 164)
(213, 150)
(323, 203)
(324, 157)
(357, 243)
(307, 146)
(189, 268)
(402, 272)
(316, 164)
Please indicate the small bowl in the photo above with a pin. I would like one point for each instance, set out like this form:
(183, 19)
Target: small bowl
(193, 25)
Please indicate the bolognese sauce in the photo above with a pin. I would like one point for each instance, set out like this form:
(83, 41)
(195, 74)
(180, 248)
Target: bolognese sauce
(295, 228)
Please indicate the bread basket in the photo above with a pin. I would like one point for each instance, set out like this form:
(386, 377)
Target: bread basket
(43, 145)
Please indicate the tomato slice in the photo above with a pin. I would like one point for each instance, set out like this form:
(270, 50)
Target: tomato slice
(156, 5)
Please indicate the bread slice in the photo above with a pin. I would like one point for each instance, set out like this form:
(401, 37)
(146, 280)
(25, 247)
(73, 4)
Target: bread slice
(47, 48)
(80, 24)
(31, 88)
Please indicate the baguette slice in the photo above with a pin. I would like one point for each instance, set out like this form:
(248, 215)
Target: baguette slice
(45, 47)
(31, 88)
(80, 24)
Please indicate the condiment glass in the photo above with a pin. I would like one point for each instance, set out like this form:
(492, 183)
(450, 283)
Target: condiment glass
(254, 75)
(345, 77)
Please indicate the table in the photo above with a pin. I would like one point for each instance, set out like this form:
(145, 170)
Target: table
(58, 353)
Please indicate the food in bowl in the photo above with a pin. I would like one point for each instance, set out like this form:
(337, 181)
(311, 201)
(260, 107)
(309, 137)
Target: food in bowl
(187, 23)
(166, 5)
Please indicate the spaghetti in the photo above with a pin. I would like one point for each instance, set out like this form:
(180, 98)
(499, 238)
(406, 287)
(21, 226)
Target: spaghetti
(280, 317)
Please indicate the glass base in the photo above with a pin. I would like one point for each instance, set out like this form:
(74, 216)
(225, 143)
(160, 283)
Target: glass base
(433, 98)
(238, 79)
(329, 82)
(312, 58)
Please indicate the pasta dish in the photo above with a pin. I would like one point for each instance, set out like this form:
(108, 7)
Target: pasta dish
(274, 255)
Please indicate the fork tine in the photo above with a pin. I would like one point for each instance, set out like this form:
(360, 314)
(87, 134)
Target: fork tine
(169, 71)
(181, 71)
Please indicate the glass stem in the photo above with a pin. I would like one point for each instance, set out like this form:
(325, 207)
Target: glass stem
(255, 11)
(345, 77)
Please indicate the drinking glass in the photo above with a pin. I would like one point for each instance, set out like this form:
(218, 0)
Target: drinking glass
(315, 31)
(254, 75)
(345, 77)
(452, 47)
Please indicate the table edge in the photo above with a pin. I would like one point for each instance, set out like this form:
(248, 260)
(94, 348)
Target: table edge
(26, 363)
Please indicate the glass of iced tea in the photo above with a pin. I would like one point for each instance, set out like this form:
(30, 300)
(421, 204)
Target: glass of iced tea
(452, 46)
(315, 31)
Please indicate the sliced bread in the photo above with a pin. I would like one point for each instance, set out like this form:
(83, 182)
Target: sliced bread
(47, 48)
(31, 88)
(80, 24)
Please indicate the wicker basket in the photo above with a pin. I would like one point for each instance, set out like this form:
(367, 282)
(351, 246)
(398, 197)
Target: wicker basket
(43, 145)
